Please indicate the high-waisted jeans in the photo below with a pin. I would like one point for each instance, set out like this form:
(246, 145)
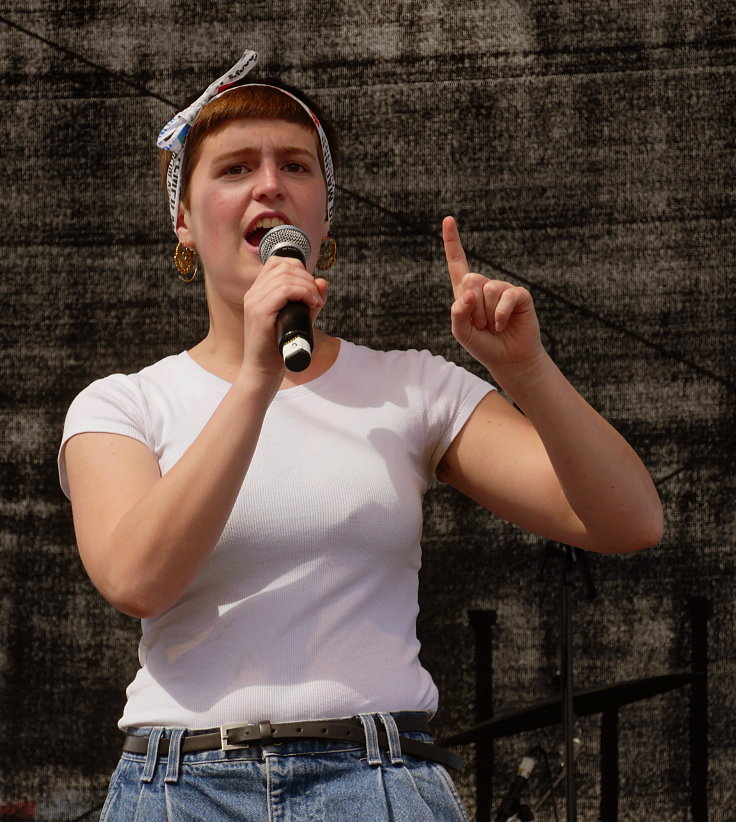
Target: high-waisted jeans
(306, 780)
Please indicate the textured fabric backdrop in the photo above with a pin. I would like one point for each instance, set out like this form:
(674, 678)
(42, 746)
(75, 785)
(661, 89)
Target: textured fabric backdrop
(587, 149)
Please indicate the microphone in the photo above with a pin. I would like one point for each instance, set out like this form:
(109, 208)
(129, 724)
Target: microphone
(526, 766)
(294, 323)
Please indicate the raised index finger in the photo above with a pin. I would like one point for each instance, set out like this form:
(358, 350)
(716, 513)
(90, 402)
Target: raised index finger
(457, 263)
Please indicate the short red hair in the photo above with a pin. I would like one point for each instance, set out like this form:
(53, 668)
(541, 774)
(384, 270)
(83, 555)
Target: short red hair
(248, 102)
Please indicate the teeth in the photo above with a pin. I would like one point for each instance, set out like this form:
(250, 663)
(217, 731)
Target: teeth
(268, 222)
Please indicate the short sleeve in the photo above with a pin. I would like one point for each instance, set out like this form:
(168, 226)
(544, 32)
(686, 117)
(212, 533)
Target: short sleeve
(450, 395)
(112, 405)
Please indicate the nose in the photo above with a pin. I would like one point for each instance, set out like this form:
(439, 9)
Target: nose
(267, 182)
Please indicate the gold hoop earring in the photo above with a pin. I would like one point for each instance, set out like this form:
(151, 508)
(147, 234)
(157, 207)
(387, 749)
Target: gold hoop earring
(185, 259)
(327, 254)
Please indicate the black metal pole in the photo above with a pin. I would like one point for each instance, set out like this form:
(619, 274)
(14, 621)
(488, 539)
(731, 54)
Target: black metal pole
(482, 623)
(700, 611)
(567, 685)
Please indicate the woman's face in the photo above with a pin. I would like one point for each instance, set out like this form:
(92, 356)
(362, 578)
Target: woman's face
(251, 176)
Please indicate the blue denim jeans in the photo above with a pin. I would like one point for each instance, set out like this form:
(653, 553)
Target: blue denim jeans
(306, 780)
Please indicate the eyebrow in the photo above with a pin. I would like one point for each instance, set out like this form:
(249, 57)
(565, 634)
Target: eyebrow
(280, 151)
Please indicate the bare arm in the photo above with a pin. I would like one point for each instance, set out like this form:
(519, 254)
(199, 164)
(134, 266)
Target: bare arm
(559, 469)
(143, 537)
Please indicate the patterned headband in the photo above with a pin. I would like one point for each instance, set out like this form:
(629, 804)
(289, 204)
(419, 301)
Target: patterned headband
(173, 134)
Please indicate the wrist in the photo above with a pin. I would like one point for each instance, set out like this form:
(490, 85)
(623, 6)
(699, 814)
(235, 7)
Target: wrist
(254, 388)
(521, 378)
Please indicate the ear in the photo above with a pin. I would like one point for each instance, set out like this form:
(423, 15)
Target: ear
(183, 232)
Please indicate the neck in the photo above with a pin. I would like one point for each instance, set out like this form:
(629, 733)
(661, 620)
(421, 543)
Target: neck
(222, 354)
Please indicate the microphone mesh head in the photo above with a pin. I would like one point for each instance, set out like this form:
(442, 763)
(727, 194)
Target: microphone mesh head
(284, 237)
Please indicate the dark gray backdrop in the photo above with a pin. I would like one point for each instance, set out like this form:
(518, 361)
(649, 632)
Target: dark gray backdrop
(587, 150)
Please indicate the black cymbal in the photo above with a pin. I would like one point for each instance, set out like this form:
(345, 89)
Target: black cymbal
(589, 701)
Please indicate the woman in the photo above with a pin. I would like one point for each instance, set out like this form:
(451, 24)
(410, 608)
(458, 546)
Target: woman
(265, 524)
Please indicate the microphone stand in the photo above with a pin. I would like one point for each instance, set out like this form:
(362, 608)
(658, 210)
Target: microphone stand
(574, 561)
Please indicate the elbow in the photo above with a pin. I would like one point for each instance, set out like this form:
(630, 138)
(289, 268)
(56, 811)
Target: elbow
(139, 601)
(652, 527)
(137, 608)
(655, 535)
(627, 530)
(132, 584)
(645, 532)
(144, 604)
(640, 542)
(651, 522)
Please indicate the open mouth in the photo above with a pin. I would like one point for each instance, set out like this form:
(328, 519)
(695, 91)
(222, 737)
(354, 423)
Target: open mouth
(260, 228)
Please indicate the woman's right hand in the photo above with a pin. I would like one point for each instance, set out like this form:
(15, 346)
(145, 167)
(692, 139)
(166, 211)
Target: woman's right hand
(144, 537)
(281, 279)
(141, 547)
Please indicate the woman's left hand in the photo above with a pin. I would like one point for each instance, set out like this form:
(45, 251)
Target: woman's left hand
(558, 468)
(493, 320)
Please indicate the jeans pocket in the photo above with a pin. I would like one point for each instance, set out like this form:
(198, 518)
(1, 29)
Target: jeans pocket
(449, 785)
(113, 792)
(124, 791)
(437, 790)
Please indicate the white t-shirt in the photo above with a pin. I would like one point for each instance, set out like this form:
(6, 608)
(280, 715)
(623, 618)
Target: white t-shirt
(307, 606)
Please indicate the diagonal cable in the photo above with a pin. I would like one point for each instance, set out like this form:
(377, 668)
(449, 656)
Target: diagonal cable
(419, 228)
(118, 75)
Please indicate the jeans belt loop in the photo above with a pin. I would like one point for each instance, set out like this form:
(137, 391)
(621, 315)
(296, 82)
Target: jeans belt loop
(371, 739)
(152, 755)
(394, 742)
(174, 758)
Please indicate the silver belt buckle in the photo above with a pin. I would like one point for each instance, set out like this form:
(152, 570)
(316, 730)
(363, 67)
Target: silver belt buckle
(225, 744)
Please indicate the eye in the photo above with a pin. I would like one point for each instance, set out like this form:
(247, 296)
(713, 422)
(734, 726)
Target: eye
(236, 169)
(294, 167)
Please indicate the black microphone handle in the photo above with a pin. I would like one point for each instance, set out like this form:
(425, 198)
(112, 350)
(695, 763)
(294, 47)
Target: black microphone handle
(506, 808)
(526, 766)
(294, 326)
(294, 335)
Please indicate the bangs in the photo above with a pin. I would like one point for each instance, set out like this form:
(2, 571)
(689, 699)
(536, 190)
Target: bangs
(248, 102)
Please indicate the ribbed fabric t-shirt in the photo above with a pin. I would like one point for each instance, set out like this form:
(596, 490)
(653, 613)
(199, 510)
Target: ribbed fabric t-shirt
(307, 606)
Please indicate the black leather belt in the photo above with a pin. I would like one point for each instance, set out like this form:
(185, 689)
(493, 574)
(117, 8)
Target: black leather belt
(231, 737)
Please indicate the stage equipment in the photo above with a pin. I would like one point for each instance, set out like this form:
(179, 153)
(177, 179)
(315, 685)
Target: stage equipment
(605, 700)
